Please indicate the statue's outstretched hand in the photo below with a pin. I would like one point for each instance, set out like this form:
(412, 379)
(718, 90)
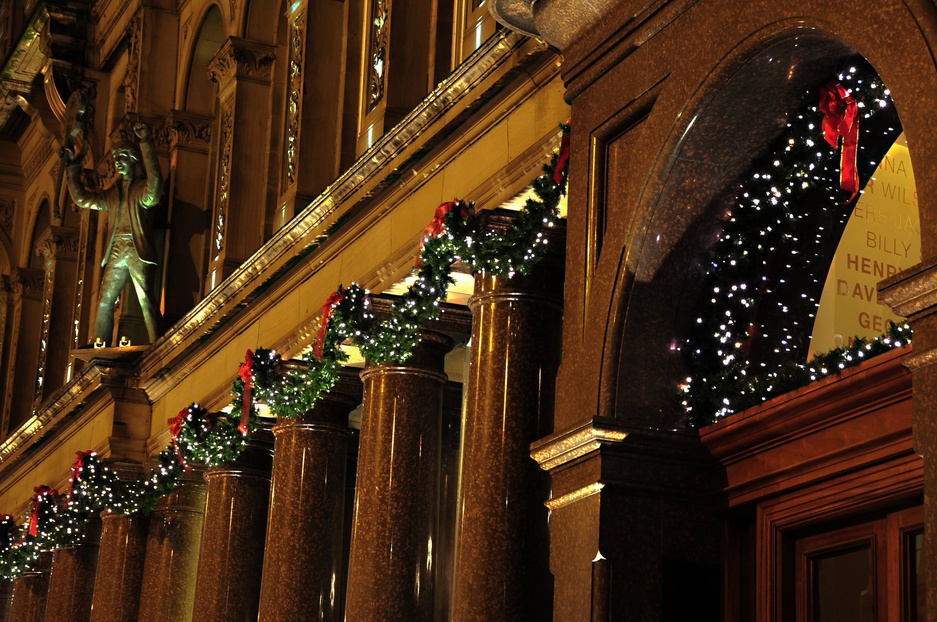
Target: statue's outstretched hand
(68, 156)
(142, 130)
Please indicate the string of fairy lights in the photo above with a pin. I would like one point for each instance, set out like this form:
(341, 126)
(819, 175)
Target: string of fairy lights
(205, 439)
(762, 281)
(765, 272)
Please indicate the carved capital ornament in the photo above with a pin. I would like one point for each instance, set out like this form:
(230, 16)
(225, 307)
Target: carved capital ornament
(241, 59)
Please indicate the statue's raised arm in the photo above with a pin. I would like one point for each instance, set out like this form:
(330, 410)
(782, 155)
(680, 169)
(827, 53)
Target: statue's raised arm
(154, 177)
(82, 197)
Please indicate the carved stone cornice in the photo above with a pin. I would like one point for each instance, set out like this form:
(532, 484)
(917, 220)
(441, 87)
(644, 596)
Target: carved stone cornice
(58, 243)
(564, 447)
(29, 283)
(241, 59)
(189, 130)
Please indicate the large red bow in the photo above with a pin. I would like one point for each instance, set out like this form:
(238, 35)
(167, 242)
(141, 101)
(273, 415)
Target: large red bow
(177, 422)
(246, 373)
(841, 119)
(438, 224)
(334, 300)
(77, 468)
(41, 492)
(562, 160)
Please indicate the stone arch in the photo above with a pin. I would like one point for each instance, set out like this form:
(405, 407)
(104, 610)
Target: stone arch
(198, 90)
(656, 243)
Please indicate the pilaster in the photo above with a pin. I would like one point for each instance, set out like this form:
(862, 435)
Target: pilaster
(242, 70)
(913, 294)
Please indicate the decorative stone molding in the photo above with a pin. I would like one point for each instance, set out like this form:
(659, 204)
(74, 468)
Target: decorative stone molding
(188, 130)
(294, 94)
(224, 175)
(241, 59)
(377, 51)
(131, 81)
(37, 161)
(7, 208)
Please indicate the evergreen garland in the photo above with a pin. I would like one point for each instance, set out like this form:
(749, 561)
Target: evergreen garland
(765, 272)
(212, 439)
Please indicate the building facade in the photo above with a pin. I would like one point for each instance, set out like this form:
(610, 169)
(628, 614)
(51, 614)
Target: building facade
(537, 457)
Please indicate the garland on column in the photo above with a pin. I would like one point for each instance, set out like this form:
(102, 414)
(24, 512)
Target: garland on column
(764, 275)
(202, 438)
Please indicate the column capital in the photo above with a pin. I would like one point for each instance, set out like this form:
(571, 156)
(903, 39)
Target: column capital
(58, 243)
(241, 59)
(189, 130)
(29, 283)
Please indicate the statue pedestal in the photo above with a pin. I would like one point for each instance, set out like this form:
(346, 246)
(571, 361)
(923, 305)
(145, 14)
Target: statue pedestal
(125, 354)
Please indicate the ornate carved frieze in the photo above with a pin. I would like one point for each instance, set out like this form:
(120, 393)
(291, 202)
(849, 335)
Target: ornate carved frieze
(37, 161)
(189, 130)
(294, 94)
(7, 208)
(131, 81)
(241, 59)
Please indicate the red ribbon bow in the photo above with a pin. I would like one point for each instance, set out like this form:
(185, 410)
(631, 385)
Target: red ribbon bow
(841, 119)
(41, 492)
(438, 224)
(177, 422)
(246, 373)
(77, 468)
(334, 300)
(562, 160)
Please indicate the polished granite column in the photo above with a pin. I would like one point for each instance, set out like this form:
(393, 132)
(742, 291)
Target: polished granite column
(31, 591)
(72, 582)
(227, 588)
(502, 549)
(448, 494)
(391, 567)
(303, 576)
(120, 567)
(172, 548)
(6, 600)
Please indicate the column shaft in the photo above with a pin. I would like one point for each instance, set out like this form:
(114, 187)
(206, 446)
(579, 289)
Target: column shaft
(6, 600)
(31, 591)
(502, 551)
(228, 585)
(391, 567)
(72, 582)
(303, 575)
(120, 568)
(172, 547)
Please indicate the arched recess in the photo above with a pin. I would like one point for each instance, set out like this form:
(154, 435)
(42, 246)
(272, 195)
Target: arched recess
(26, 327)
(199, 92)
(732, 110)
(192, 165)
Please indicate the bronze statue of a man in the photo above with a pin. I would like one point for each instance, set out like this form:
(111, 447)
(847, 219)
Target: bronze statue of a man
(129, 204)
